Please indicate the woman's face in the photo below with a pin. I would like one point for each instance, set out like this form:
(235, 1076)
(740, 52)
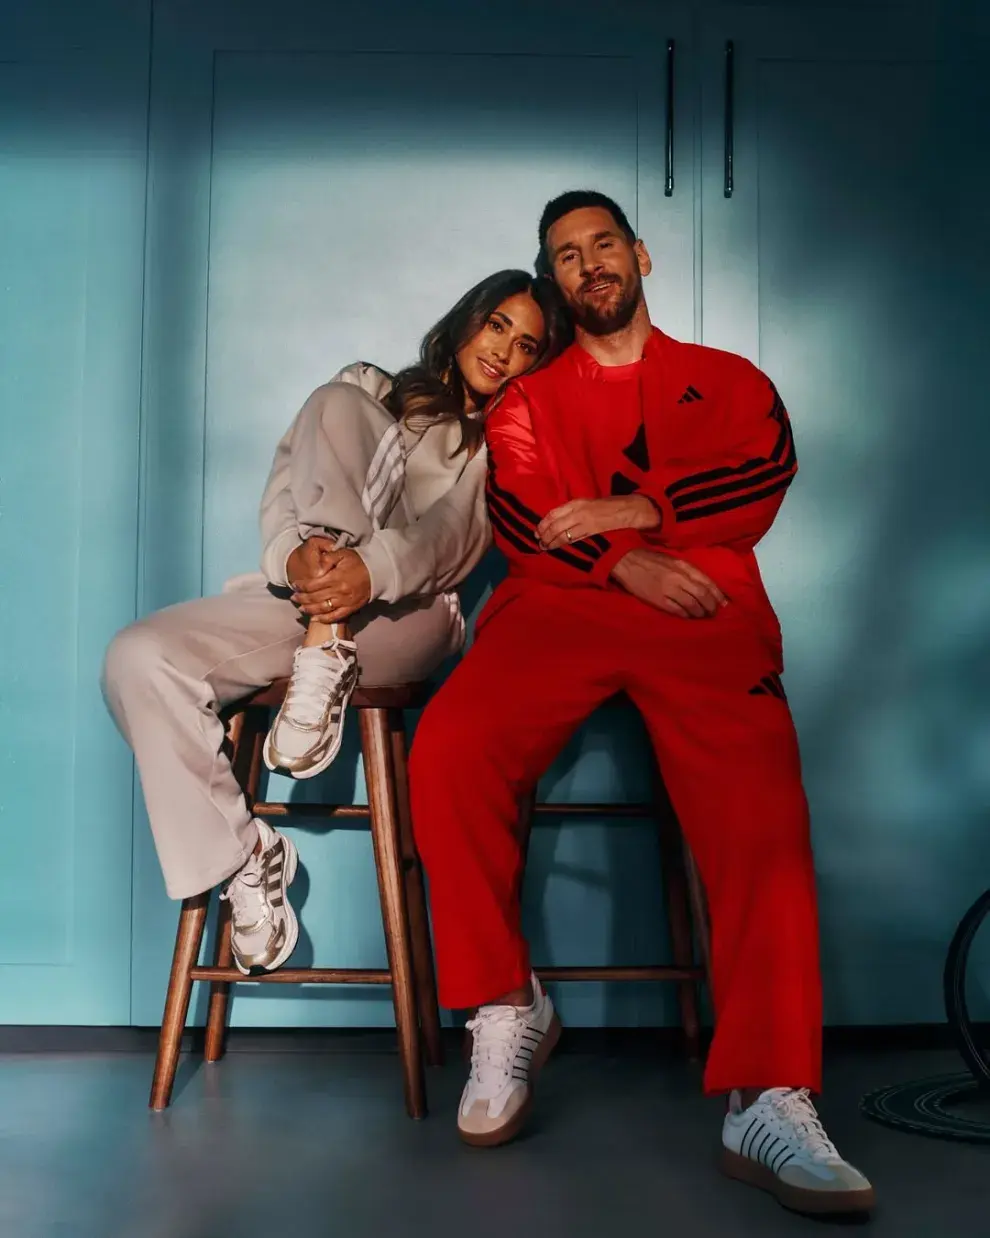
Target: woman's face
(504, 347)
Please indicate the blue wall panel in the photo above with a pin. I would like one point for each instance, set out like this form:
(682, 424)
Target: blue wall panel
(73, 108)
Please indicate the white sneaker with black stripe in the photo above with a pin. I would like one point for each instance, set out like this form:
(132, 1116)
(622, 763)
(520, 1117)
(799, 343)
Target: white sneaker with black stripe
(510, 1045)
(308, 729)
(263, 925)
(780, 1145)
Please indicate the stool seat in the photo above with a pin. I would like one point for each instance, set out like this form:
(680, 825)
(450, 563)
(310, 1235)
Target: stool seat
(386, 696)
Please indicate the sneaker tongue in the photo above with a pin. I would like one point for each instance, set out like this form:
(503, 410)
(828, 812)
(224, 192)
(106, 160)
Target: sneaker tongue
(247, 901)
(796, 1106)
(494, 1031)
(315, 677)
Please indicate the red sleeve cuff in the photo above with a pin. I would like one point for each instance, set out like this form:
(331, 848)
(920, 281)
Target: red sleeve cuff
(619, 544)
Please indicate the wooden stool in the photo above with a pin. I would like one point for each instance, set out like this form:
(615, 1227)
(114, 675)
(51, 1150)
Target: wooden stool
(687, 911)
(400, 885)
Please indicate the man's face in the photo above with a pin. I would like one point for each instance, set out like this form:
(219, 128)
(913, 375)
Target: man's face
(598, 270)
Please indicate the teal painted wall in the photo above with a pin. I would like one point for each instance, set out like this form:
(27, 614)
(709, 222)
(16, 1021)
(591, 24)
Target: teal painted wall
(73, 125)
(204, 215)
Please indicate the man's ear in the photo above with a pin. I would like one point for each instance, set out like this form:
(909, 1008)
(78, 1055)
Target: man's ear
(643, 259)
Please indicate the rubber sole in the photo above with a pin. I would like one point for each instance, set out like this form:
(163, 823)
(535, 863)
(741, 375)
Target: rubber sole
(795, 1198)
(508, 1132)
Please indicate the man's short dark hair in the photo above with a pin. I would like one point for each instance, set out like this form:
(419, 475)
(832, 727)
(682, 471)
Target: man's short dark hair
(574, 200)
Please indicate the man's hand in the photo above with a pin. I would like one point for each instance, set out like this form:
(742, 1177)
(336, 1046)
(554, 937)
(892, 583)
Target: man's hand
(669, 584)
(308, 560)
(585, 517)
(339, 589)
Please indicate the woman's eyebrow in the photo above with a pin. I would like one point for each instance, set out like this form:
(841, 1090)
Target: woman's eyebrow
(502, 317)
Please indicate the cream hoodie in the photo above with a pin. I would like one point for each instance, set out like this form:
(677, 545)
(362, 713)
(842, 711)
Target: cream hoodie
(438, 530)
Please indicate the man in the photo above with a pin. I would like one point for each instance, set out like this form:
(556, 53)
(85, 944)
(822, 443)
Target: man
(628, 484)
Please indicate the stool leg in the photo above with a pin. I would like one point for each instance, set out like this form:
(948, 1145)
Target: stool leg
(245, 734)
(419, 919)
(679, 921)
(188, 940)
(216, 1014)
(380, 777)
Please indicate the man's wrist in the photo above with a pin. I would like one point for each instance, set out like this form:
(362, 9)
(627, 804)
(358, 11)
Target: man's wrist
(621, 567)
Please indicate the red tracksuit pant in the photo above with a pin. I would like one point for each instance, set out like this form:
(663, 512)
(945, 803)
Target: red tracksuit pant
(543, 659)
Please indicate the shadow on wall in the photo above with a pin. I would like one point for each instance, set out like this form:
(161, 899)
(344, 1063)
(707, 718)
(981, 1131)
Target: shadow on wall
(882, 569)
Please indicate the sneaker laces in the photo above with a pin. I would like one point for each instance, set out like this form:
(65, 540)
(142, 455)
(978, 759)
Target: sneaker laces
(247, 897)
(496, 1030)
(795, 1107)
(317, 674)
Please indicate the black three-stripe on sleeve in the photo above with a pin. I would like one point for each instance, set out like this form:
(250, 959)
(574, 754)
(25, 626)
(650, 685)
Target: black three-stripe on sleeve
(517, 524)
(722, 489)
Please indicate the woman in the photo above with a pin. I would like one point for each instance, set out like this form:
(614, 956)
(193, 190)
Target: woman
(373, 513)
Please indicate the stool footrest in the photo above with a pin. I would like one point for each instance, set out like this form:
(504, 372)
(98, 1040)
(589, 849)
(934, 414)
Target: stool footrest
(302, 810)
(294, 975)
(349, 975)
(620, 973)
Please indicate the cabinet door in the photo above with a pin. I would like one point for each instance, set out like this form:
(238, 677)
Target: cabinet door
(73, 122)
(313, 202)
(827, 266)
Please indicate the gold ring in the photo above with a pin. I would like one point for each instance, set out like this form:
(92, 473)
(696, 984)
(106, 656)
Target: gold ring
(327, 604)
(567, 534)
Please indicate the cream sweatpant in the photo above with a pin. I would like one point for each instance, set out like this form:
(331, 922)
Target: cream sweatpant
(166, 677)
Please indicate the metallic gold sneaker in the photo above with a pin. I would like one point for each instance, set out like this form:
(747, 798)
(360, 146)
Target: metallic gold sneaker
(308, 729)
(264, 928)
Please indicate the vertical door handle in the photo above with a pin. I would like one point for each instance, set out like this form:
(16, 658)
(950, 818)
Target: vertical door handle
(729, 115)
(668, 184)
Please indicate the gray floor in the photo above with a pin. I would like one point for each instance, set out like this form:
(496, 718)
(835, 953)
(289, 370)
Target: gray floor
(317, 1143)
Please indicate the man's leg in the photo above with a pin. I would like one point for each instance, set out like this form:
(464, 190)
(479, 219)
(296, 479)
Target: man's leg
(533, 674)
(729, 756)
(730, 762)
(536, 670)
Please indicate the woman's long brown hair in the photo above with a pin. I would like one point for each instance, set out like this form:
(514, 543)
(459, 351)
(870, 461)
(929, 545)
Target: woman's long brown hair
(433, 389)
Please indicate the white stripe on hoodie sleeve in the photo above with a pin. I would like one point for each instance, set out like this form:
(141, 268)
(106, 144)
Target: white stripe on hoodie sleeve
(440, 549)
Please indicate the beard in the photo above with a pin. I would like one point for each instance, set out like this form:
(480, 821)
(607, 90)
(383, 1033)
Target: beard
(608, 319)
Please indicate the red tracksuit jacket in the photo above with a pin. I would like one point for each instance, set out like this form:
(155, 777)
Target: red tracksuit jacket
(701, 432)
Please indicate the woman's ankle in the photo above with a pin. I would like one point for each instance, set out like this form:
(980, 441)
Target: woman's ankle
(323, 633)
